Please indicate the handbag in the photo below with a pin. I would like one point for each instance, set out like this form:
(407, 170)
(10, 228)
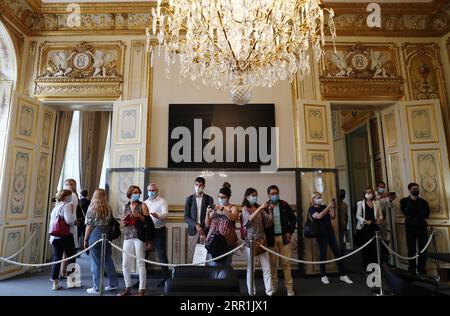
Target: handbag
(200, 254)
(60, 228)
(257, 249)
(113, 229)
(128, 220)
(311, 228)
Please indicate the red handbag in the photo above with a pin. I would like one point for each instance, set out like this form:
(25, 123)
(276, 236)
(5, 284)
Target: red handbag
(60, 228)
(128, 220)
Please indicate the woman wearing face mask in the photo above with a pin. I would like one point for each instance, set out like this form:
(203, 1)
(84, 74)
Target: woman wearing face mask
(134, 241)
(255, 220)
(71, 185)
(324, 214)
(61, 244)
(221, 220)
(369, 217)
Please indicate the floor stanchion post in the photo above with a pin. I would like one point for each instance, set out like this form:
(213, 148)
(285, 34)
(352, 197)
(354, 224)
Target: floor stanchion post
(378, 241)
(102, 263)
(252, 268)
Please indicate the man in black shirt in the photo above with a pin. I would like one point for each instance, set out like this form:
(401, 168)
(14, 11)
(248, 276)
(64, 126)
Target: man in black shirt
(416, 211)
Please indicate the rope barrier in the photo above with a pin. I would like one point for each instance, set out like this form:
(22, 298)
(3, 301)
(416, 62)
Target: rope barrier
(317, 262)
(408, 258)
(180, 264)
(7, 260)
(49, 263)
(24, 246)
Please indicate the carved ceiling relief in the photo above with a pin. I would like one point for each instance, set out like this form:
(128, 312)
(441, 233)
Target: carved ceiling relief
(68, 68)
(423, 71)
(361, 71)
(434, 20)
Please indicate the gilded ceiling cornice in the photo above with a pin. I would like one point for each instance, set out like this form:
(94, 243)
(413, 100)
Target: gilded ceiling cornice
(389, 8)
(35, 18)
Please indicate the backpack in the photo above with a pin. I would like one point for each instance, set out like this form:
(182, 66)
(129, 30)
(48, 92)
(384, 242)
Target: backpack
(113, 229)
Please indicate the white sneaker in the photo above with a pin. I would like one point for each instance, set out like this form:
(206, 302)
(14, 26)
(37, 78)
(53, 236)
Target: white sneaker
(92, 291)
(110, 288)
(290, 292)
(56, 287)
(325, 280)
(346, 279)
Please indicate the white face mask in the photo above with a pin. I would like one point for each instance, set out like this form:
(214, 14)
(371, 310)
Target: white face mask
(368, 196)
(318, 201)
(198, 189)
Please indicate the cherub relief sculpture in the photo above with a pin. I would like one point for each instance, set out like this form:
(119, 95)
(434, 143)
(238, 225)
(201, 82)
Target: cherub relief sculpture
(378, 60)
(60, 63)
(340, 59)
(101, 60)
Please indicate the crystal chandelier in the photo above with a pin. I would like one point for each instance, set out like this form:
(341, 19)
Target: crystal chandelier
(240, 44)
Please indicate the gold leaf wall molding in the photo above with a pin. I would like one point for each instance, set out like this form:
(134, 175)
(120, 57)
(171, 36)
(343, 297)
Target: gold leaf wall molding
(398, 19)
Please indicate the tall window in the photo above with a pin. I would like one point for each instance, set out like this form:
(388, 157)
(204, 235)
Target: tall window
(106, 159)
(71, 166)
(71, 169)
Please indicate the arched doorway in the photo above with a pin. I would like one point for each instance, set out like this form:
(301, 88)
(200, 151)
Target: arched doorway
(8, 80)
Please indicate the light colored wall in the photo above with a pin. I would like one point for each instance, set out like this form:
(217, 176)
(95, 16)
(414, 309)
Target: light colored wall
(170, 90)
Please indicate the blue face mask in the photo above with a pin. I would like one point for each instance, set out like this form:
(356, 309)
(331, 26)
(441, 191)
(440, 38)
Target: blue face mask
(135, 197)
(380, 190)
(152, 194)
(253, 199)
(275, 198)
(69, 199)
(222, 201)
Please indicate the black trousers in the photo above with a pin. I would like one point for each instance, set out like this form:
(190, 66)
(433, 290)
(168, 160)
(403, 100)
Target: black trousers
(61, 245)
(414, 235)
(160, 245)
(370, 252)
(329, 239)
(161, 249)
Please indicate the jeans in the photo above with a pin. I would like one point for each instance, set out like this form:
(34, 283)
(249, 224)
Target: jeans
(160, 245)
(227, 263)
(95, 253)
(421, 236)
(61, 245)
(325, 240)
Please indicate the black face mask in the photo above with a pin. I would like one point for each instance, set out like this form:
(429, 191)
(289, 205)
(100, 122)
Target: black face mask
(415, 193)
(341, 197)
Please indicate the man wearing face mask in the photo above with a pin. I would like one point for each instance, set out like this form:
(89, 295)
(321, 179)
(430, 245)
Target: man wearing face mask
(279, 237)
(416, 211)
(385, 199)
(159, 212)
(194, 215)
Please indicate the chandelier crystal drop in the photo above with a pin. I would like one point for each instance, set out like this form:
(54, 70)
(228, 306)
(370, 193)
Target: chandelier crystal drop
(241, 44)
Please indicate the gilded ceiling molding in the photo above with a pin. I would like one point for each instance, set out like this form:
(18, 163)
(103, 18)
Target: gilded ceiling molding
(35, 18)
(368, 71)
(80, 70)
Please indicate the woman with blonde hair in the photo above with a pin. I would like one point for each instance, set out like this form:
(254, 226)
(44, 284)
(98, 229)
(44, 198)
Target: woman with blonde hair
(324, 214)
(97, 218)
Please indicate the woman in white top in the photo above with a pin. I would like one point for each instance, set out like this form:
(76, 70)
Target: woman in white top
(71, 185)
(61, 244)
(369, 217)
